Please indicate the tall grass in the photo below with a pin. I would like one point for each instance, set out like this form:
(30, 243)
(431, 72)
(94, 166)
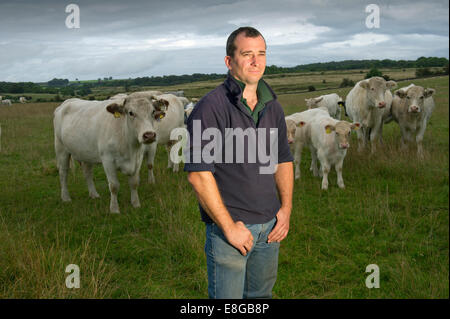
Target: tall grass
(394, 213)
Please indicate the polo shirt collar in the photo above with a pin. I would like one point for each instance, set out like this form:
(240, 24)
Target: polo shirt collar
(236, 89)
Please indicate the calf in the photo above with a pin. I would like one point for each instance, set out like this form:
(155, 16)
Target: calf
(301, 136)
(411, 109)
(6, 102)
(332, 102)
(329, 141)
(112, 132)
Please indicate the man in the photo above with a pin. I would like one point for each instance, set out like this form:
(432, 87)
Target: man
(245, 221)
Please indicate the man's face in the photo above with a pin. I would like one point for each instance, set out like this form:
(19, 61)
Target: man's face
(249, 61)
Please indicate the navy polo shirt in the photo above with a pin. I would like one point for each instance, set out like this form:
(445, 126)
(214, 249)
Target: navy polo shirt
(249, 195)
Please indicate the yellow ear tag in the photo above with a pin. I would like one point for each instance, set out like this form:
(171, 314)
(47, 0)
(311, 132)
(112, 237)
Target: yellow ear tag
(328, 130)
(161, 116)
(116, 115)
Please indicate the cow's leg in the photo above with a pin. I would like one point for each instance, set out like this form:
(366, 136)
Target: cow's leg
(298, 146)
(361, 135)
(419, 139)
(340, 179)
(325, 168)
(133, 181)
(314, 161)
(113, 183)
(171, 164)
(151, 152)
(87, 171)
(63, 162)
(373, 139)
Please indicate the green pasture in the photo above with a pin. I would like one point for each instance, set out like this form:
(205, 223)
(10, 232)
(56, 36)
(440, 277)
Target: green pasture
(393, 213)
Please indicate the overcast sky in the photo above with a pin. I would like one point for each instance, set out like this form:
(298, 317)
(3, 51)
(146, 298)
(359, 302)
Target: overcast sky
(126, 39)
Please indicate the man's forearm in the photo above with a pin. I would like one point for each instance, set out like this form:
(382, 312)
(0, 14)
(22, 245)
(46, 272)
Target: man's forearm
(208, 195)
(284, 179)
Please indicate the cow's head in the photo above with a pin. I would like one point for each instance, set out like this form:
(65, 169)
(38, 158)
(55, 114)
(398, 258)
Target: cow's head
(375, 88)
(414, 97)
(313, 102)
(342, 130)
(291, 127)
(140, 113)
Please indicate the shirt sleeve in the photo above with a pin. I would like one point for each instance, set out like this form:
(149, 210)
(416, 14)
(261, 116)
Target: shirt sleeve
(203, 117)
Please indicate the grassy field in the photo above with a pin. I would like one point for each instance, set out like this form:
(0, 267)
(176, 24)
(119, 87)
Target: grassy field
(394, 213)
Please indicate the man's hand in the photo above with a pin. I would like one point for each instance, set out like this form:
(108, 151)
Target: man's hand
(239, 237)
(281, 229)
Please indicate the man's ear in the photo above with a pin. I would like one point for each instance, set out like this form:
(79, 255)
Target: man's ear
(227, 60)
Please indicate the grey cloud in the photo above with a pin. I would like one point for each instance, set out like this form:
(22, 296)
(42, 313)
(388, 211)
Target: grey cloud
(145, 38)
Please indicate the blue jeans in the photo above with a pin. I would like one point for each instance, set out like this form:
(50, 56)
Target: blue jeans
(234, 276)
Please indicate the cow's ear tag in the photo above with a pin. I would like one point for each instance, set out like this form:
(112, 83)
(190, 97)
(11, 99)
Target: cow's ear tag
(328, 130)
(116, 115)
(161, 116)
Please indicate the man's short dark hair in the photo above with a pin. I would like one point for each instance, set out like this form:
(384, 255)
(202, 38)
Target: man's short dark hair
(248, 32)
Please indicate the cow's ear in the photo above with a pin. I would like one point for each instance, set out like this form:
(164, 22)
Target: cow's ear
(318, 99)
(115, 109)
(329, 128)
(400, 93)
(364, 84)
(355, 126)
(160, 104)
(391, 84)
(301, 124)
(429, 92)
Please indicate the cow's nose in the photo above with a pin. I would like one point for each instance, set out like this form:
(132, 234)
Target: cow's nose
(414, 108)
(381, 104)
(344, 145)
(149, 137)
(290, 141)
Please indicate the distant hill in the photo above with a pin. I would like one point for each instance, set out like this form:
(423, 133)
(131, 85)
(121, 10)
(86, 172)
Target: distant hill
(55, 85)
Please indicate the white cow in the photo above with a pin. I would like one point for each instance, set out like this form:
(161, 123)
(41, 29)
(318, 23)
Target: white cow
(331, 101)
(411, 109)
(22, 99)
(6, 102)
(112, 132)
(174, 118)
(330, 140)
(366, 103)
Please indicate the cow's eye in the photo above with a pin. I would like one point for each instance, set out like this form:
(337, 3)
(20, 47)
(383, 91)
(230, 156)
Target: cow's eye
(131, 113)
(372, 89)
(421, 97)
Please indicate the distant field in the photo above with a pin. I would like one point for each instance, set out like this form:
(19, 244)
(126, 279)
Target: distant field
(394, 213)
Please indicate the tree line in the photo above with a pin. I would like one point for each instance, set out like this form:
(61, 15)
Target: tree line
(65, 87)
